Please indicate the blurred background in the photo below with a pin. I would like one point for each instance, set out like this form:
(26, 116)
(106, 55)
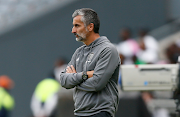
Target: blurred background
(34, 34)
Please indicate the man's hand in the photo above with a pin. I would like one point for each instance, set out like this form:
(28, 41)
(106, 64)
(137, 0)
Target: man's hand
(70, 69)
(90, 73)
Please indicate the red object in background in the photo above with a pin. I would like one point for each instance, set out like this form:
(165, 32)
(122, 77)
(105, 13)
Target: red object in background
(6, 82)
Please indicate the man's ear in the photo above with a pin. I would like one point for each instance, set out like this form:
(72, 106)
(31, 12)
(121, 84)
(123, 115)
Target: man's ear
(91, 27)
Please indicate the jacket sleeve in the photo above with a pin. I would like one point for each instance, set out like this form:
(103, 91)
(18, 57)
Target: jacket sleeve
(107, 63)
(70, 80)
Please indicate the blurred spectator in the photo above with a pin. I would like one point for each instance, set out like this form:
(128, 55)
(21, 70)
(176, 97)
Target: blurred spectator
(59, 66)
(148, 54)
(128, 47)
(148, 48)
(172, 52)
(45, 98)
(6, 100)
(65, 100)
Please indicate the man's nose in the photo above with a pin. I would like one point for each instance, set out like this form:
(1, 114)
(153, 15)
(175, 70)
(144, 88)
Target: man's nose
(73, 30)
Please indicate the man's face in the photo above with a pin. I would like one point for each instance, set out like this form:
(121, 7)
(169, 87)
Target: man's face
(79, 30)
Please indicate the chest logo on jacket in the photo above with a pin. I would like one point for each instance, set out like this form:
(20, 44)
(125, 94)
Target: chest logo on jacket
(77, 59)
(89, 58)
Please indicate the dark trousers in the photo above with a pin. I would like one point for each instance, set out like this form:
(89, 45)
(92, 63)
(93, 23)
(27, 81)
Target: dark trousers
(101, 114)
(4, 112)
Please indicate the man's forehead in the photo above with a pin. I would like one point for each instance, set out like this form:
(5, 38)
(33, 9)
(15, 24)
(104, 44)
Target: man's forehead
(77, 18)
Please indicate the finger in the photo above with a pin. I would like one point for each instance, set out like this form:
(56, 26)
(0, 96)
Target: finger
(68, 70)
(73, 69)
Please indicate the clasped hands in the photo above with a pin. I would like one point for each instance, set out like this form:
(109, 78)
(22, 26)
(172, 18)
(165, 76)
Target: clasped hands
(71, 69)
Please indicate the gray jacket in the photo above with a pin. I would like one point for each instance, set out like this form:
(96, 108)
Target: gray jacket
(98, 93)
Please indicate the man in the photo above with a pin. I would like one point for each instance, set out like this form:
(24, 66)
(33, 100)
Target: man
(128, 47)
(149, 47)
(6, 100)
(45, 98)
(93, 69)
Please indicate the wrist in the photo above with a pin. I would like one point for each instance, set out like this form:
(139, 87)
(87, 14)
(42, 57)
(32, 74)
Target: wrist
(84, 76)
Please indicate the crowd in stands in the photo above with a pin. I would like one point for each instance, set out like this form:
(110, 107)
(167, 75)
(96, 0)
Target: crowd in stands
(14, 10)
(144, 50)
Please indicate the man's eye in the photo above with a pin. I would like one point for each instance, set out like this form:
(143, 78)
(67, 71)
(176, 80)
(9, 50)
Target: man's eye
(76, 25)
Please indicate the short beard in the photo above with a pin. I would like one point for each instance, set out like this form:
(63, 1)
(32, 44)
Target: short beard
(80, 38)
